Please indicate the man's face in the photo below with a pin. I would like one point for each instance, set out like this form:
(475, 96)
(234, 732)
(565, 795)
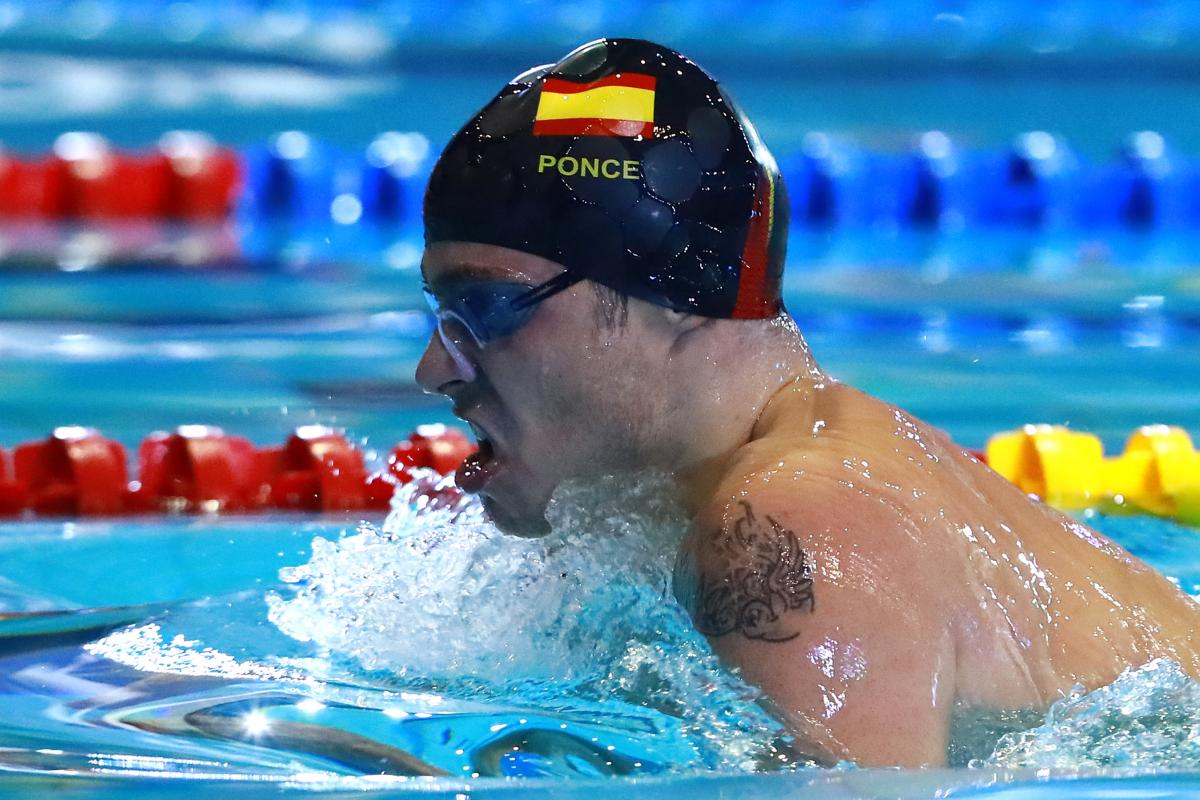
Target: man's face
(562, 397)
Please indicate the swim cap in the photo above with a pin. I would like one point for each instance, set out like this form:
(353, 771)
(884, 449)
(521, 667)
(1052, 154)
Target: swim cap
(627, 164)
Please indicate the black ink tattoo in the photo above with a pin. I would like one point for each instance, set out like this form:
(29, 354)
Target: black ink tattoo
(767, 575)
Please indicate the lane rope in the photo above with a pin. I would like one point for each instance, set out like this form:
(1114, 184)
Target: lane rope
(1157, 473)
(1037, 181)
(76, 471)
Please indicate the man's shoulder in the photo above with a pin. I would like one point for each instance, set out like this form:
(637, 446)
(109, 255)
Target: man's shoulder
(743, 570)
(752, 557)
(809, 494)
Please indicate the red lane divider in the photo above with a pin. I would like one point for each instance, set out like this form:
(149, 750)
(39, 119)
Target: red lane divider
(187, 177)
(75, 471)
(29, 188)
(197, 468)
(203, 180)
(317, 470)
(433, 447)
(13, 495)
(98, 183)
(200, 468)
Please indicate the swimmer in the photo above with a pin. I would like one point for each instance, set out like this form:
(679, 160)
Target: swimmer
(604, 248)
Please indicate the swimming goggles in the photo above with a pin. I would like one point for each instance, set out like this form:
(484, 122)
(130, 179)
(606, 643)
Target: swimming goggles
(485, 311)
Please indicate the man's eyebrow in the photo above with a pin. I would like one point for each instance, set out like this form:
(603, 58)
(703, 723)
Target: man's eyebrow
(459, 270)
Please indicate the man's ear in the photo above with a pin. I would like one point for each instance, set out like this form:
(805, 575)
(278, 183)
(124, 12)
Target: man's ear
(683, 323)
(668, 322)
(680, 328)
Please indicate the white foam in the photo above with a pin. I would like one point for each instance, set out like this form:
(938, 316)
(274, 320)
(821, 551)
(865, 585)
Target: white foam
(583, 613)
(1148, 718)
(442, 591)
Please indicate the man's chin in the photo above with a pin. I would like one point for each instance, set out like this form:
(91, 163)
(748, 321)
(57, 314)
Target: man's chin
(528, 526)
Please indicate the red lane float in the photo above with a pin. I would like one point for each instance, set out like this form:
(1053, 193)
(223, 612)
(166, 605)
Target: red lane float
(99, 183)
(187, 177)
(29, 188)
(74, 471)
(202, 469)
(197, 468)
(316, 470)
(203, 179)
(436, 447)
(13, 496)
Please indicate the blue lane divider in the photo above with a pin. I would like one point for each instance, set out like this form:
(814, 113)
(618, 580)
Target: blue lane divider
(296, 177)
(1037, 182)
(395, 170)
(292, 176)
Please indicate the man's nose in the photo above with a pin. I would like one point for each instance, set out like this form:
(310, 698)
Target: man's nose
(442, 364)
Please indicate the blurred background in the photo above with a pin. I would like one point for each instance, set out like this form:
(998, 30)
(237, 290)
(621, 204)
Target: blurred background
(996, 205)
(982, 70)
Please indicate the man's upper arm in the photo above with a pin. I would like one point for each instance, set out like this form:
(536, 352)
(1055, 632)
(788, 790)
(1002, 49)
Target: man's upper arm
(826, 605)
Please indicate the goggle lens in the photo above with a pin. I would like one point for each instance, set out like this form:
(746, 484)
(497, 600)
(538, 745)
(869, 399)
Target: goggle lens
(485, 311)
(474, 313)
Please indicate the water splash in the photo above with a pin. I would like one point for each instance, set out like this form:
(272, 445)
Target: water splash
(434, 593)
(1148, 718)
(144, 648)
(440, 597)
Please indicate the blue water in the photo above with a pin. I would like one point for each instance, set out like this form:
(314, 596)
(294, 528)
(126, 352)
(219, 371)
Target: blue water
(260, 624)
(300, 653)
(1104, 349)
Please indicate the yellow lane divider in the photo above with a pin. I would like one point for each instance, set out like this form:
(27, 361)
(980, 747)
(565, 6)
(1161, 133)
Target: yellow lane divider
(1158, 473)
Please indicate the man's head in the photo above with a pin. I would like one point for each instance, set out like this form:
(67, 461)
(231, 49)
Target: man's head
(589, 216)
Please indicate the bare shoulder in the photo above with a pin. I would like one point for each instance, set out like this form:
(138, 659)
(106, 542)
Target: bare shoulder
(745, 573)
(765, 553)
(821, 598)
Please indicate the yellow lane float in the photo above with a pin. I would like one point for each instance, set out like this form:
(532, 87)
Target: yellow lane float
(1158, 473)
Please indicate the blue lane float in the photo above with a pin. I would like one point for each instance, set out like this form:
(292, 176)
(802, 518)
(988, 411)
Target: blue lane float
(293, 176)
(297, 201)
(1037, 182)
(394, 171)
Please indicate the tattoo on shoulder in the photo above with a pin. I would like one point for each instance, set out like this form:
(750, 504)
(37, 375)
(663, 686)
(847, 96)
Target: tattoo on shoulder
(766, 577)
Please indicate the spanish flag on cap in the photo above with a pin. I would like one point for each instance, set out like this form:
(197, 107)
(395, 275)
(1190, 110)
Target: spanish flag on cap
(618, 105)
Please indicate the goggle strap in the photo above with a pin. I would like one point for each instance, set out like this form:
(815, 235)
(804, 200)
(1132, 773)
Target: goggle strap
(563, 280)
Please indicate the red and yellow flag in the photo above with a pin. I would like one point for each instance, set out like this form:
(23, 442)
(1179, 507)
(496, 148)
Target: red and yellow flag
(619, 105)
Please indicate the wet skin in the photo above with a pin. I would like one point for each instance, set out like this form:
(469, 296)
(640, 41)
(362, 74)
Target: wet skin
(556, 398)
(862, 569)
(934, 582)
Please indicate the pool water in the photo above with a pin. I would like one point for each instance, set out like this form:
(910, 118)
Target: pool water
(241, 656)
(1004, 328)
(194, 656)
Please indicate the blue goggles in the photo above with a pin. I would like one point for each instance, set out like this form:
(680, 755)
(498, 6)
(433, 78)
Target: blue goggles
(486, 311)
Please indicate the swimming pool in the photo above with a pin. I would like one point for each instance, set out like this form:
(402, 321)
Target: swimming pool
(298, 654)
(250, 621)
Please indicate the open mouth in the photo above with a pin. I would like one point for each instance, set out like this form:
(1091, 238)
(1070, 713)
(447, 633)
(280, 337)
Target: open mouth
(480, 466)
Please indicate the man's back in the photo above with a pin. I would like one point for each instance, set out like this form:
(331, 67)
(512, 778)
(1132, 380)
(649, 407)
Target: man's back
(939, 576)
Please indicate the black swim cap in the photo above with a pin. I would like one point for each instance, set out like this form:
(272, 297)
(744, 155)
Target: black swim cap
(627, 164)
